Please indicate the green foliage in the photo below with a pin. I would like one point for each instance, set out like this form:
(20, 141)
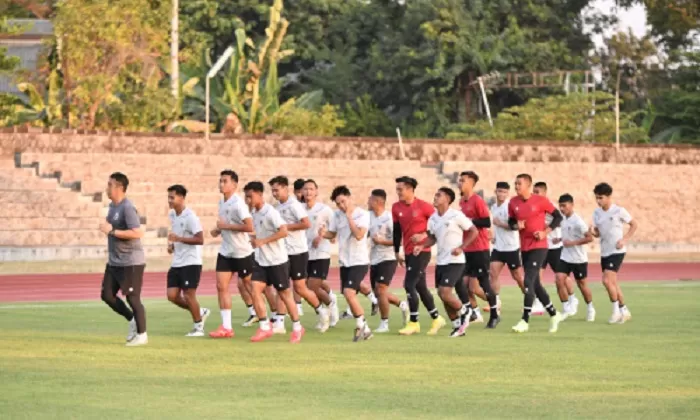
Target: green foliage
(295, 120)
(44, 103)
(7, 63)
(365, 119)
(673, 22)
(562, 118)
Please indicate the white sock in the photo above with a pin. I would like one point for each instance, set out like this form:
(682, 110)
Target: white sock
(198, 326)
(296, 326)
(300, 308)
(348, 311)
(132, 323)
(384, 322)
(201, 311)
(323, 311)
(273, 316)
(251, 310)
(265, 325)
(616, 307)
(403, 304)
(571, 299)
(590, 305)
(360, 321)
(226, 318)
(498, 300)
(332, 296)
(456, 323)
(279, 319)
(372, 298)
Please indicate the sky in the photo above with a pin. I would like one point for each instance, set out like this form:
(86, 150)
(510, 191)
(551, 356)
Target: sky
(634, 17)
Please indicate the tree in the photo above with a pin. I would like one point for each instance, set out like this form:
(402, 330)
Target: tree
(674, 23)
(7, 63)
(113, 52)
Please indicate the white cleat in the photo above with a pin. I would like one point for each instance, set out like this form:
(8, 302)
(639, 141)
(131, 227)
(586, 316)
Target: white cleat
(521, 327)
(334, 313)
(278, 328)
(300, 309)
(139, 340)
(252, 320)
(626, 315)
(405, 312)
(196, 332)
(590, 315)
(132, 330)
(616, 318)
(323, 323)
(479, 318)
(573, 307)
(382, 328)
(554, 322)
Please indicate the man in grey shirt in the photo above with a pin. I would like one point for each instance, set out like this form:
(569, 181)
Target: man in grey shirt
(126, 259)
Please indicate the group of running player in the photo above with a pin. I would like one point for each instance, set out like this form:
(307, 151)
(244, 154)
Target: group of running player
(268, 246)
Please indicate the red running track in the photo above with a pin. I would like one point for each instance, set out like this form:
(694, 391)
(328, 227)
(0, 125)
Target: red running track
(73, 287)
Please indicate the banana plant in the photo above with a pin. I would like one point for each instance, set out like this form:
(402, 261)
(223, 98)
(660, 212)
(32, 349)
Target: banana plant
(41, 110)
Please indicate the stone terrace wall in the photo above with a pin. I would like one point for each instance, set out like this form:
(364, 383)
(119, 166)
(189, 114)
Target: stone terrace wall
(37, 140)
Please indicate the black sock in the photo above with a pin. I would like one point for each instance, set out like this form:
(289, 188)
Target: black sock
(434, 313)
(414, 317)
(263, 319)
(316, 308)
(550, 309)
(494, 312)
(526, 314)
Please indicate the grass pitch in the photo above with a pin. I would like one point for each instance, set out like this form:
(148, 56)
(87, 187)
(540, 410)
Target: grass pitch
(68, 360)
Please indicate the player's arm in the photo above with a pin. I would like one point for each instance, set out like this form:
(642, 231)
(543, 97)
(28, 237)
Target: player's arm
(280, 234)
(587, 239)
(246, 226)
(512, 220)
(430, 240)
(133, 224)
(497, 222)
(358, 231)
(303, 224)
(484, 219)
(198, 237)
(472, 233)
(332, 230)
(627, 218)
(397, 237)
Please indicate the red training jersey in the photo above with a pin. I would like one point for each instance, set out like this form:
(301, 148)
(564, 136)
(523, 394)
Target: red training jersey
(413, 219)
(475, 208)
(532, 211)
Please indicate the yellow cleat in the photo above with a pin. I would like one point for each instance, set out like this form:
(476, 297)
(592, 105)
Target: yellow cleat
(521, 327)
(410, 329)
(437, 324)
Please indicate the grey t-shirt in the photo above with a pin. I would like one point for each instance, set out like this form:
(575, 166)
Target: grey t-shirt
(124, 252)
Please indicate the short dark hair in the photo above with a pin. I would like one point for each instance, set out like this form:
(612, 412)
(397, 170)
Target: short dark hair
(470, 174)
(566, 198)
(379, 193)
(279, 179)
(121, 179)
(449, 192)
(299, 184)
(233, 175)
(502, 185)
(541, 184)
(178, 190)
(603, 189)
(408, 180)
(525, 176)
(255, 186)
(340, 190)
(310, 181)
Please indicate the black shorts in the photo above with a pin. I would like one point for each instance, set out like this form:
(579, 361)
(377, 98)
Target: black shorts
(382, 273)
(416, 267)
(448, 275)
(509, 258)
(241, 266)
(534, 258)
(612, 262)
(478, 264)
(318, 269)
(553, 258)
(276, 276)
(186, 277)
(580, 270)
(351, 277)
(127, 279)
(298, 265)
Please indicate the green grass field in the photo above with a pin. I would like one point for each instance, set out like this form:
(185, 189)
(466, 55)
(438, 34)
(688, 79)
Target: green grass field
(68, 360)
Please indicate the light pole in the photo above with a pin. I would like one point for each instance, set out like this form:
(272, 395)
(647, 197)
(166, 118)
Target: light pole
(174, 50)
(212, 72)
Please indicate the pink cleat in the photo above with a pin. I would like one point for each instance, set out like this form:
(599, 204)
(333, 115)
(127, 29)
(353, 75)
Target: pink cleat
(221, 332)
(296, 336)
(261, 335)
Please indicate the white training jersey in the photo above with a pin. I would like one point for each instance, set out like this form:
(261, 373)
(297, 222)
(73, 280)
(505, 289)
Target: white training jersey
(448, 230)
(234, 244)
(320, 216)
(384, 226)
(351, 251)
(185, 225)
(554, 234)
(611, 225)
(267, 222)
(507, 240)
(292, 211)
(574, 228)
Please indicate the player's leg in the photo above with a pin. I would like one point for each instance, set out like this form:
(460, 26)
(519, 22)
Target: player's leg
(192, 275)
(560, 279)
(543, 296)
(425, 294)
(224, 273)
(581, 276)
(246, 292)
(131, 288)
(484, 282)
(410, 280)
(446, 276)
(298, 272)
(173, 291)
(368, 291)
(259, 289)
(532, 262)
(110, 288)
(350, 280)
(279, 276)
(298, 302)
(611, 264)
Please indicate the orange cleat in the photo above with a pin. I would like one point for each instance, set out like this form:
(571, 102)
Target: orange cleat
(221, 332)
(261, 335)
(296, 336)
